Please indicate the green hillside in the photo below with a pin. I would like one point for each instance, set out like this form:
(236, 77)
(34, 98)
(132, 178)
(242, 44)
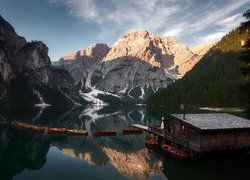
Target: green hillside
(216, 80)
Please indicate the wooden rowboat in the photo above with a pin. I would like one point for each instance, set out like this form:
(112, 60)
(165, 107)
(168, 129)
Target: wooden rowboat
(103, 133)
(21, 125)
(56, 130)
(28, 126)
(37, 129)
(175, 152)
(132, 131)
(77, 132)
(151, 143)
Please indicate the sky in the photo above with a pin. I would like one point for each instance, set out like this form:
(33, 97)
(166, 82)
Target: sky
(70, 25)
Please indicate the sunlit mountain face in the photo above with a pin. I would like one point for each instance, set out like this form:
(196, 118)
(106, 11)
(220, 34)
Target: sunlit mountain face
(137, 65)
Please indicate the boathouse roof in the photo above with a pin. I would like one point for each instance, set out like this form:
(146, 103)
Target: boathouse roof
(214, 121)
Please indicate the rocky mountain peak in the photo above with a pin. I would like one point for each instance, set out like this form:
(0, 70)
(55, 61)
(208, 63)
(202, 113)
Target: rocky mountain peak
(144, 46)
(8, 36)
(96, 51)
(10, 43)
(138, 37)
(138, 64)
(33, 55)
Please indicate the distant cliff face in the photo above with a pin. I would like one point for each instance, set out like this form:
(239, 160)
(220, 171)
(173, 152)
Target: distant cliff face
(81, 64)
(26, 75)
(137, 65)
(199, 52)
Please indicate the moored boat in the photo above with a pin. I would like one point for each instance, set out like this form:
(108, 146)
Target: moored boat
(132, 131)
(56, 130)
(37, 129)
(151, 143)
(21, 125)
(26, 126)
(103, 133)
(77, 132)
(175, 152)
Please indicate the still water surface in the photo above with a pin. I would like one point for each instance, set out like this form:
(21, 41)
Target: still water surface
(25, 156)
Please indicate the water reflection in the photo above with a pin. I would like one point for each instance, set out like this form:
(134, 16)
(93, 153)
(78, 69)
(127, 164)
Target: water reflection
(127, 154)
(125, 157)
(18, 153)
(25, 155)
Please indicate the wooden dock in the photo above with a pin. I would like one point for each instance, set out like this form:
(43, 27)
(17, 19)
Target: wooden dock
(139, 126)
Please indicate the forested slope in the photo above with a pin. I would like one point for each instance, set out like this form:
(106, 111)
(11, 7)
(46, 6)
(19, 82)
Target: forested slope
(214, 81)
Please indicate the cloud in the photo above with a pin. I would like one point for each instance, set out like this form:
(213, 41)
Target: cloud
(163, 17)
(212, 16)
(211, 38)
(231, 22)
(124, 15)
(176, 31)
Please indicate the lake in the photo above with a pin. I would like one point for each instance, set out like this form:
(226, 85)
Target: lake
(25, 155)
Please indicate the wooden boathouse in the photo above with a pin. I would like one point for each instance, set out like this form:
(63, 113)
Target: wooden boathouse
(204, 132)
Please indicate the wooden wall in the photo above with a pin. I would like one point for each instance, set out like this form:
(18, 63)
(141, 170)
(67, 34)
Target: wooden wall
(219, 140)
(183, 134)
(188, 136)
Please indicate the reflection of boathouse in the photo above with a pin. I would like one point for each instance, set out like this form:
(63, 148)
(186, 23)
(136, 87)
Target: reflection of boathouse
(205, 132)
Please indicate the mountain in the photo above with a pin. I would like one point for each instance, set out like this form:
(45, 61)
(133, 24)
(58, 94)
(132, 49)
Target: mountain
(200, 51)
(26, 74)
(216, 80)
(137, 65)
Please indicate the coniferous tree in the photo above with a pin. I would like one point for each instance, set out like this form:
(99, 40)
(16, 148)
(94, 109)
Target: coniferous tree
(245, 56)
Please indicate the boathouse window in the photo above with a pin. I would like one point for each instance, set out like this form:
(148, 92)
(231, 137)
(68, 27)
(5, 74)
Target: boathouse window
(183, 130)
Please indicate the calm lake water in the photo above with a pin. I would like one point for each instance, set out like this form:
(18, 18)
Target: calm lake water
(25, 156)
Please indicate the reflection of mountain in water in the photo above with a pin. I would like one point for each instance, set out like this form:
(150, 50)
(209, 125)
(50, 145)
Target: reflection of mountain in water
(18, 153)
(111, 118)
(126, 153)
(89, 118)
(140, 164)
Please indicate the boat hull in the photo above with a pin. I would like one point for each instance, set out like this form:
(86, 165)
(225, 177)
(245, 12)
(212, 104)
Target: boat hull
(175, 152)
(39, 129)
(77, 132)
(126, 131)
(150, 142)
(56, 130)
(103, 133)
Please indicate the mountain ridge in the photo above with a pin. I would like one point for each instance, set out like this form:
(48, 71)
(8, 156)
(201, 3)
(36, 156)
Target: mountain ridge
(138, 64)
